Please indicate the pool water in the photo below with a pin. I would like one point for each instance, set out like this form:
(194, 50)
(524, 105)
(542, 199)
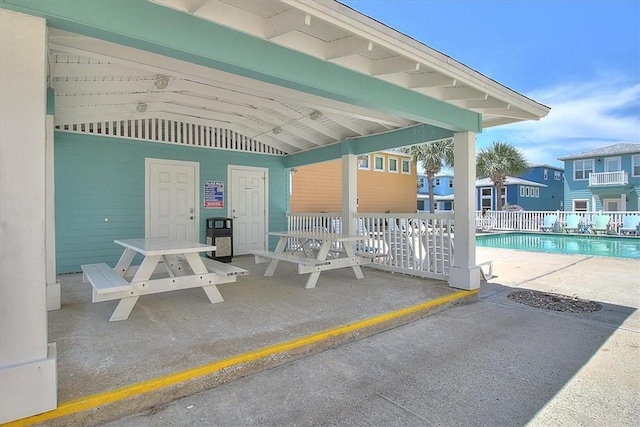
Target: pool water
(614, 247)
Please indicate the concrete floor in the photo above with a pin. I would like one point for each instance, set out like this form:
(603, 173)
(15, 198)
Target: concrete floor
(174, 331)
(171, 332)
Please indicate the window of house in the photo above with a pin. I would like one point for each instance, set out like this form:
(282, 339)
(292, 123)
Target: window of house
(363, 162)
(526, 191)
(557, 175)
(582, 169)
(522, 191)
(546, 174)
(613, 164)
(378, 163)
(635, 165)
(393, 165)
(436, 182)
(580, 205)
(536, 191)
(503, 196)
(451, 183)
(406, 166)
(486, 198)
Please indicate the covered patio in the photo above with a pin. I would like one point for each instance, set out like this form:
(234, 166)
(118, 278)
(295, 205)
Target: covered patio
(240, 92)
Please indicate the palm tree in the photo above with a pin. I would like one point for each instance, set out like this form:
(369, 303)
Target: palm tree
(498, 161)
(433, 156)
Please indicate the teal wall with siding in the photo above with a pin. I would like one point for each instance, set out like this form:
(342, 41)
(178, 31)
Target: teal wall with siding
(99, 177)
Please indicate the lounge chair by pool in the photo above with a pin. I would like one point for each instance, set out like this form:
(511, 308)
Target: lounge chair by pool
(601, 224)
(549, 222)
(572, 223)
(630, 224)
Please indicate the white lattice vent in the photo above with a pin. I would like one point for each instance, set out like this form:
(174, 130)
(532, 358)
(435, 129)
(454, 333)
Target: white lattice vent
(170, 131)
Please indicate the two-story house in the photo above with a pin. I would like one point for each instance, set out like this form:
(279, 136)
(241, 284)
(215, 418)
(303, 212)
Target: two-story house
(386, 182)
(606, 178)
(442, 194)
(516, 191)
(539, 188)
(551, 197)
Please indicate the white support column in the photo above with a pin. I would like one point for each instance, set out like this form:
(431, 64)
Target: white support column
(349, 193)
(465, 274)
(53, 286)
(28, 383)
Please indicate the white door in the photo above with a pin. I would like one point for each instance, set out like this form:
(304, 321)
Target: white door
(611, 205)
(172, 199)
(613, 164)
(248, 208)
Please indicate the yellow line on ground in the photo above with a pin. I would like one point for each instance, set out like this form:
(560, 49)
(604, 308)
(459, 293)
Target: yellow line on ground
(96, 400)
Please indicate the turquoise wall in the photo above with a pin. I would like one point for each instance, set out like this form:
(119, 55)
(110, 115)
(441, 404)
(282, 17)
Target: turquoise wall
(99, 177)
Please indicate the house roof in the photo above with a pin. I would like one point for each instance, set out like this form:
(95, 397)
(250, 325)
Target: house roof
(486, 182)
(609, 150)
(106, 69)
(545, 165)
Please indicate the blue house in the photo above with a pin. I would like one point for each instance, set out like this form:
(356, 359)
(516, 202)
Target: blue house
(551, 197)
(606, 178)
(517, 191)
(442, 193)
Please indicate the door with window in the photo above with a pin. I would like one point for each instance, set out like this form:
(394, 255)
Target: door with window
(171, 199)
(248, 207)
(611, 205)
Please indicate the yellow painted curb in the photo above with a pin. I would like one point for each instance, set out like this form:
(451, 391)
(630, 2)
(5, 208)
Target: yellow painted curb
(100, 399)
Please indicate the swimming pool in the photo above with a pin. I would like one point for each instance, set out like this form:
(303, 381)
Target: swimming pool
(614, 247)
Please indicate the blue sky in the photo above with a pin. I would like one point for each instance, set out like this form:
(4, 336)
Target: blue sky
(581, 58)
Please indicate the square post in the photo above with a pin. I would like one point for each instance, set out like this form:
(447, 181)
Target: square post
(464, 273)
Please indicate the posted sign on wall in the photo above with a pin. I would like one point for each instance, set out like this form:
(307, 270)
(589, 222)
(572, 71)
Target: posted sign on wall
(213, 194)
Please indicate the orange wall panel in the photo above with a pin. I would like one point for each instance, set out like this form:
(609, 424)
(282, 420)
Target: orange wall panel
(318, 188)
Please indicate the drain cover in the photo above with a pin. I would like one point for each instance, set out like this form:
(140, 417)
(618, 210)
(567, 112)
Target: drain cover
(554, 302)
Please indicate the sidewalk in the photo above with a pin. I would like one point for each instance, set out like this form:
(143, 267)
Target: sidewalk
(494, 362)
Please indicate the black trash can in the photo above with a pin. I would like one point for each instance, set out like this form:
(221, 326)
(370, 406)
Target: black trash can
(220, 235)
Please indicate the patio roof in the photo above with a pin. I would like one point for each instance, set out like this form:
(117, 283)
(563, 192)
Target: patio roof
(289, 75)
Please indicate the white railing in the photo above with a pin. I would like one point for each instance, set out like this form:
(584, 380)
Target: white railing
(608, 178)
(531, 221)
(417, 244)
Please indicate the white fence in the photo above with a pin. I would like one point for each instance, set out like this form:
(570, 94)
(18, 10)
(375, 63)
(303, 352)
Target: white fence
(532, 220)
(417, 244)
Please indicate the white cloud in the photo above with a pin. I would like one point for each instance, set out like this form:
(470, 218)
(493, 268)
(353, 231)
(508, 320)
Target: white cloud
(583, 116)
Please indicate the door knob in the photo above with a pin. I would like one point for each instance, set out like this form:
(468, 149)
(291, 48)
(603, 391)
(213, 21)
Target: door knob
(191, 217)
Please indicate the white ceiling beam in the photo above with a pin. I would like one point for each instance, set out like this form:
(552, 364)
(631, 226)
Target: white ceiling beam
(95, 70)
(456, 93)
(393, 65)
(510, 112)
(72, 87)
(485, 103)
(231, 16)
(286, 22)
(346, 123)
(323, 129)
(430, 80)
(346, 47)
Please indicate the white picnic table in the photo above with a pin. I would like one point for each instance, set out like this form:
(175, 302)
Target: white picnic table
(316, 252)
(177, 260)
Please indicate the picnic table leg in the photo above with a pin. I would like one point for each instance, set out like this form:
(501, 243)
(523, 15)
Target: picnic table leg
(198, 267)
(282, 243)
(213, 293)
(322, 255)
(125, 262)
(123, 309)
(349, 249)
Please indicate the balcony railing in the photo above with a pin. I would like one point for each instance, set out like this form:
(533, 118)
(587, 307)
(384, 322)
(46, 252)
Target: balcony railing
(608, 178)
